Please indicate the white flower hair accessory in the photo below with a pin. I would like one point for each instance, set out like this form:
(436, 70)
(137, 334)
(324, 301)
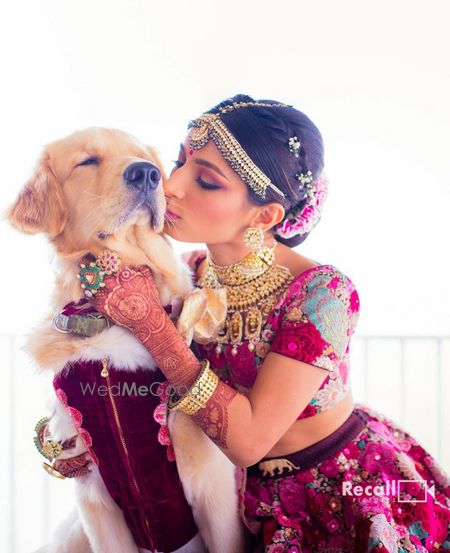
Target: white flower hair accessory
(299, 221)
(294, 145)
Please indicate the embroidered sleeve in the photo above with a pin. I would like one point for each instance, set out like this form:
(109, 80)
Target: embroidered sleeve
(317, 319)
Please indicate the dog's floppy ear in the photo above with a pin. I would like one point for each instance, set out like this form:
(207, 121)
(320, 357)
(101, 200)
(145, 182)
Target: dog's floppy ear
(40, 206)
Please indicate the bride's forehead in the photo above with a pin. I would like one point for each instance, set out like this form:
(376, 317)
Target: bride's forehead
(209, 151)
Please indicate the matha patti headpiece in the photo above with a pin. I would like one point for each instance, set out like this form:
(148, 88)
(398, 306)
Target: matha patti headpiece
(297, 221)
(210, 126)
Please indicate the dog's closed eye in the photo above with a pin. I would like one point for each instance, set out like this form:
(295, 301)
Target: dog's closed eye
(89, 161)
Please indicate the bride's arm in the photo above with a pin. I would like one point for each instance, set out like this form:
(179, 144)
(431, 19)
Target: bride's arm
(244, 427)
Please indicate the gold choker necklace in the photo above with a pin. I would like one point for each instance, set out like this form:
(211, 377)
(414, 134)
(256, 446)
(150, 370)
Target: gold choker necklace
(253, 286)
(251, 266)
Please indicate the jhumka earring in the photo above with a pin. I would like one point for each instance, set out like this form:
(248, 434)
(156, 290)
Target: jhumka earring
(256, 262)
(254, 238)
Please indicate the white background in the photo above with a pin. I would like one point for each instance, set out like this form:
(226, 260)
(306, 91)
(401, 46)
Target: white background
(374, 78)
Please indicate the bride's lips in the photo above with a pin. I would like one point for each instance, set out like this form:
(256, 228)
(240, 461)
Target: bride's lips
(170, 213)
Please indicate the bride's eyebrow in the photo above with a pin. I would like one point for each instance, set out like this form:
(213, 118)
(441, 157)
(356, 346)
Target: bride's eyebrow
(206, 163)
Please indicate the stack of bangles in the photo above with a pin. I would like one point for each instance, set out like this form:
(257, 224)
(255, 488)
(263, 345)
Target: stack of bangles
(198, 394)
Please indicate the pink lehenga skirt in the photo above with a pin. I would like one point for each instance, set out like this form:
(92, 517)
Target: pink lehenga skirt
(369, 486)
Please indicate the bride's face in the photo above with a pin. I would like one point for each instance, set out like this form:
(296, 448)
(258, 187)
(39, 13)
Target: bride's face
(206, 200)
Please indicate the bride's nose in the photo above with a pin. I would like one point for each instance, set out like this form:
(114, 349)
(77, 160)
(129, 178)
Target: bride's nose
(173, 186)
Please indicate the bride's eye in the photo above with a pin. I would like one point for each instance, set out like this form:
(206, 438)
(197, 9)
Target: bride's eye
(207, 185)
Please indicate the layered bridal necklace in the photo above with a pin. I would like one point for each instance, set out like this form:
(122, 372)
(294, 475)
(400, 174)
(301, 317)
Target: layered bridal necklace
(253, 286)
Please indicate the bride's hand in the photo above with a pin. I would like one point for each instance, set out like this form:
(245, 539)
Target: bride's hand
(127, 297)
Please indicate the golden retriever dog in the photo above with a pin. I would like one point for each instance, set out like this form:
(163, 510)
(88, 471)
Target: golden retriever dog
(102, 189)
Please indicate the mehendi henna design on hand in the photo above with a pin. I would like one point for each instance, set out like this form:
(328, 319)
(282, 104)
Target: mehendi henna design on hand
(130, 299)
(213, 418)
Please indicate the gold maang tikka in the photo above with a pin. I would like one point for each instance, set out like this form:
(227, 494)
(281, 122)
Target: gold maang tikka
(253, 286)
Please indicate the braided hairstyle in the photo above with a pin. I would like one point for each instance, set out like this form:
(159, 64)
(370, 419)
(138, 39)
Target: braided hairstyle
(272, 128)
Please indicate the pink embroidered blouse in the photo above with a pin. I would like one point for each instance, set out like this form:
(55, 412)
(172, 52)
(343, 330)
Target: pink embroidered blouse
(312, 322)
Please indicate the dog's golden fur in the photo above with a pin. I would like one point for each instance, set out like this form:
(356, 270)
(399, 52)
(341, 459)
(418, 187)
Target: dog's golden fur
(88, 208)
(71, 204)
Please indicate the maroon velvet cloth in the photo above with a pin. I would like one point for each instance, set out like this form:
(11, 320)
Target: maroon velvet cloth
(160, 498)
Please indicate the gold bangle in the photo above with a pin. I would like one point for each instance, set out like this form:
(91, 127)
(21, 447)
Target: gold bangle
(174, 403)
(199, 393)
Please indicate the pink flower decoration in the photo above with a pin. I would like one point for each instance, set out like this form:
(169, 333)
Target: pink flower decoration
(267, 334)
(296, 288)
(161, 390)
(292, 495)
(164, 436)
(334, 283)
(299, 222)
(372, 504)
(170, 453)
(303, 342)
(160, 416)
(257, 492)
(381, 429)
(332, 525)
(351, 451)
(377, 457)
(354, 301)
(309, 411)
(276, 548)
(329, 468)
(304, 477)
(262, 349)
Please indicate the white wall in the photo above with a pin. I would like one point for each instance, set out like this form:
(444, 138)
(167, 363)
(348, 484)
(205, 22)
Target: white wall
(372, 75)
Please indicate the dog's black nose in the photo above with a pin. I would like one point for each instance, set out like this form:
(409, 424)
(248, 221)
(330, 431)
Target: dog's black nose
(142, 175)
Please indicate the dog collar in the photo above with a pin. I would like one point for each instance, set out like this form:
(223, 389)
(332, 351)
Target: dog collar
(82, 318)
(84, 325)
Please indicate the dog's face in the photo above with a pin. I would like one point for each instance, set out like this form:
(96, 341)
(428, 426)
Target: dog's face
(87, 186)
